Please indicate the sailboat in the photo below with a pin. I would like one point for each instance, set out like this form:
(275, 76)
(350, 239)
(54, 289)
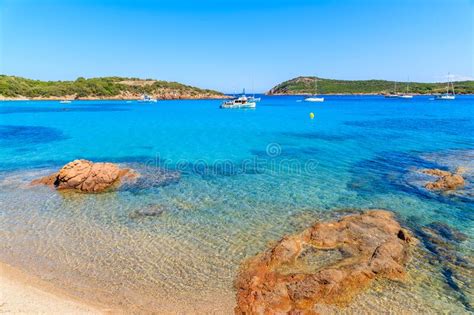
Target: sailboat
(394, 94)
(448, 95)
(406, 95)
(315, 97)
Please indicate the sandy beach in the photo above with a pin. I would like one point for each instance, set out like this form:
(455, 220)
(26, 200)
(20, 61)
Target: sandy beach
(23, 294)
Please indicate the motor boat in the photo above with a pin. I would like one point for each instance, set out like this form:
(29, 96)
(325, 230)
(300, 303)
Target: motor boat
(239, 102)
(147, 99)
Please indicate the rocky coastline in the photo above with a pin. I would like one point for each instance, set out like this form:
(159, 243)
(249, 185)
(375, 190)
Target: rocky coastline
(304, 85)
(122, 97)
(348, 255)
(103, 88)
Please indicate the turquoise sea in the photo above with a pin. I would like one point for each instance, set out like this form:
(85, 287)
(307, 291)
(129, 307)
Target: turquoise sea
(227, 183)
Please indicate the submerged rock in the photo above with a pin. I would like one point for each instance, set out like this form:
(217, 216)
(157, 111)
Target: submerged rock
(447, 232)
(151, 176)
(88, 177)
(446, 180)
(150, 211)
(371, 245)
(442, 242)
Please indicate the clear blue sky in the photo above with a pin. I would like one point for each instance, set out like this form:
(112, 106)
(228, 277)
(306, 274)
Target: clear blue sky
(227, 45)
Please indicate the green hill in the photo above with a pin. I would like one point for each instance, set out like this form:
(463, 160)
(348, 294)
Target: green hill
(101, 88)
(305, 85)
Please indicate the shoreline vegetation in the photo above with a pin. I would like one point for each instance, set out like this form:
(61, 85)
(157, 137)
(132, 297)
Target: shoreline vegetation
(122, 88)
(105, 88)
(305, 86)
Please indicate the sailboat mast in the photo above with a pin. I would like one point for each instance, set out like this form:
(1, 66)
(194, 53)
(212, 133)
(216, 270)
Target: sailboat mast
(449, 81)
(452, 83)
(447, 86)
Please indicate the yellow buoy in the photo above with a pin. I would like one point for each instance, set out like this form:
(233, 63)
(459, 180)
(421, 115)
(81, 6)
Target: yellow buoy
(311, 115)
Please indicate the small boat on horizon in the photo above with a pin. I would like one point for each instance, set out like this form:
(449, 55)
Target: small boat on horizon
(407, 95)
(65, 102)
(148, 99)
(315, 97)
(448, 95)
(395, 94)
(445, 97)
(239, 102)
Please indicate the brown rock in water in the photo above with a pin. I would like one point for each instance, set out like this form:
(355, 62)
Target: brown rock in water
(445, 181)
(86, 176)
(436, 172)
(373, 245)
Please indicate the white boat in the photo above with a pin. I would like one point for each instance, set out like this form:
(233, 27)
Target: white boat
(315, 97)
(445, 97)
(253, 99)
(394, 94)
(147, 99)
(448, 95)
(239, 102)
(65, 102)
(406, 95)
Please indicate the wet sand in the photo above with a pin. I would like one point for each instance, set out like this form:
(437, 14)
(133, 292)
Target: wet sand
(24, 294)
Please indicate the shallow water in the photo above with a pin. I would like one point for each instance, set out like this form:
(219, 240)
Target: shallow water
(246, 178)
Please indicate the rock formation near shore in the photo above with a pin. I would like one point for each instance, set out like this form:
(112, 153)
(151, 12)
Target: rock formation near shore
(361, 248)
(446, 180)
(86, 176)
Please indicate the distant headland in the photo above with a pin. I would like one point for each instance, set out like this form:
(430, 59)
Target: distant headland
(105, 88)
(306, 85)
